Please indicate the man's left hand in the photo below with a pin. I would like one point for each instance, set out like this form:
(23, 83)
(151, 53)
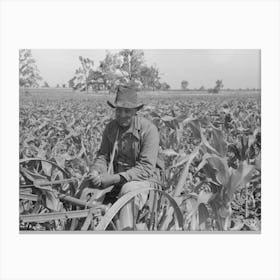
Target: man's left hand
(109, 180)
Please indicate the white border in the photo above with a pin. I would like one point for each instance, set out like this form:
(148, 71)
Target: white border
(158, 24)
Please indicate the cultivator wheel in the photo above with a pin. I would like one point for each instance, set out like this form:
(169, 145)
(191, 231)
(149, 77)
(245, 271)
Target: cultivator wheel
(160, 212)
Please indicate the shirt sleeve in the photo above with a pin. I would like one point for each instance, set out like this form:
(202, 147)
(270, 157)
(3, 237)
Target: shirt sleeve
(146, 162)
(103, 155)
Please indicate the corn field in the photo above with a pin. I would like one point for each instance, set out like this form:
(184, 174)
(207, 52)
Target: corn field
(210, 145)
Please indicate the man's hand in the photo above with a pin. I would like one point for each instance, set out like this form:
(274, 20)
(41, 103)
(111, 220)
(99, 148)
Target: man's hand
(109, 180)
(95, 178)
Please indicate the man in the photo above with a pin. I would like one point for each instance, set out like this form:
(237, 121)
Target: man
(129, 148)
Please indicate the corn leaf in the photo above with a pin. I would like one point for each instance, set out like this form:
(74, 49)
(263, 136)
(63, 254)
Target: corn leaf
(203, 213)
(241, 176)
(219, 143)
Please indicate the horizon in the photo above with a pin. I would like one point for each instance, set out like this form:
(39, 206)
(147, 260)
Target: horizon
(239, 68)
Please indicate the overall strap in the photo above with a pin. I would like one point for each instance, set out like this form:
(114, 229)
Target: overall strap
(110, 168)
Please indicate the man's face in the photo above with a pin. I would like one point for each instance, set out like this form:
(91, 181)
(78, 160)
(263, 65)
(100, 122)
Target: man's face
(124, 116)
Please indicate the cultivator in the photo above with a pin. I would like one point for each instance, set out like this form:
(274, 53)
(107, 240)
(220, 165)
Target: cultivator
(50, 199)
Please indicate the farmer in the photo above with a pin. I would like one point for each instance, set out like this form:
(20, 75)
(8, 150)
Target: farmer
(130, 143)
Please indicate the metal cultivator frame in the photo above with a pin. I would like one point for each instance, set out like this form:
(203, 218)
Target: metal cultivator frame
(49, 199)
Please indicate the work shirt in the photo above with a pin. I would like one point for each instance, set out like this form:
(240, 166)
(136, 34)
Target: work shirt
(137, 150)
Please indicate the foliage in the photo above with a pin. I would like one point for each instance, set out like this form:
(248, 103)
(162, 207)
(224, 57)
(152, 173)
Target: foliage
(46, 85)
(184, 85)
(149, 77)
(210, 144)
(164, 86)
(130, 63)
(217, 88)
(29, 75)
(83, 75)
(122, 67)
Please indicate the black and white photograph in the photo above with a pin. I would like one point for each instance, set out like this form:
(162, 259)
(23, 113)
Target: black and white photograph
(140, 140)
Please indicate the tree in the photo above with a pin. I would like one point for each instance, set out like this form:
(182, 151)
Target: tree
(82, 76)
(130, 64)
(217, 88)
(149, 77)
(184, 85)
(29, 75)
(107, 68)
(46, 85)
(165, 86)
(122, 67)
(96, 80)
(57, 86)
(71, 83)
(219, 84)
(201, 88)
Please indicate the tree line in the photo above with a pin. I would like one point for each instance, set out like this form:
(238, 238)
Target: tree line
(125, 66)
(219, 85)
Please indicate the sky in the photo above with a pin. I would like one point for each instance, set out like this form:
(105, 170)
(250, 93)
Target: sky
(238, 68)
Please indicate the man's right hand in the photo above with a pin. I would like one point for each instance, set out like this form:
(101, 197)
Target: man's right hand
(95, 178)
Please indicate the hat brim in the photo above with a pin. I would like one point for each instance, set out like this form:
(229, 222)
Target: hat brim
(138, 107)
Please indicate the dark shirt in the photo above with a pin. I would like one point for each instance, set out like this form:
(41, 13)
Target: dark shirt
(136, 153)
